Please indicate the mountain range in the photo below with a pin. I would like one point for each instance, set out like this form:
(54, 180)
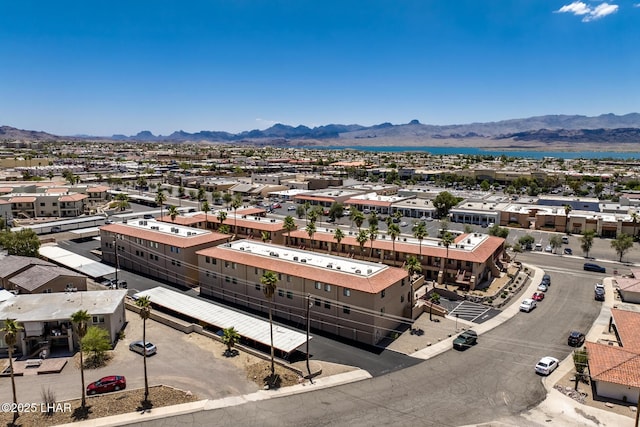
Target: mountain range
(569, 128)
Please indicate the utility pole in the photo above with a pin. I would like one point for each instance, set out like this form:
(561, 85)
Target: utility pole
(308, 327)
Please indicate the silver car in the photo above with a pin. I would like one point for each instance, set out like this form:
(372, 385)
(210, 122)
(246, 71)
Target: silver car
(139, 348)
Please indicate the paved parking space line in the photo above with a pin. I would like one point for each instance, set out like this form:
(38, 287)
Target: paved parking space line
(474, 319)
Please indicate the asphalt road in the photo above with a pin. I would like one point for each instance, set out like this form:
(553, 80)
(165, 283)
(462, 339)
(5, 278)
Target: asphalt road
(493, 380)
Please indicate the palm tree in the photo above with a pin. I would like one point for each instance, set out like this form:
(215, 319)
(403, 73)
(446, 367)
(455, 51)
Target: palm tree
(413, 266)
(306, 206)
(288, 226)
(161, 198)
(206, 208)
(338, 235)
(373, 235)
(265, 236)
(122, 201)
(312, 216)
(447, 240)
(420, 232)
(357, 217)
(229, 338)
(361, 238)
(393, 231)
(634, 219)
(222, 217)
(269, 280)
(202, 194)
(173, 212)
(311, 230)
(144, 303)
(11, 330)
(567, 210)
(80, 320)
(235, 204)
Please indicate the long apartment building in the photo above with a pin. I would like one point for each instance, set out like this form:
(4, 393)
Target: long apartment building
(358, 300)
(471, 260)
(157, 249)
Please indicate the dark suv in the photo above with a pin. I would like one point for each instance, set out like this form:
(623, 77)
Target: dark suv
(465, 340)
(575, 339)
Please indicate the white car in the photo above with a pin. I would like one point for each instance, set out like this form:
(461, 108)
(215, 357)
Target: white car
(291, 208)
(548, 248)
(139, 348)
(527, 305)
(547, 365)
(542, 287)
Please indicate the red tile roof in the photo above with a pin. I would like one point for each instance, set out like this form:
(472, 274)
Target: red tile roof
(23, 199)
(480, 254)
(98, 189)
(363, 202)
(316, 198)
(628, 327)
(73, 198)
(166, 238)
(372, 284)
(251, 211)
(613, 364)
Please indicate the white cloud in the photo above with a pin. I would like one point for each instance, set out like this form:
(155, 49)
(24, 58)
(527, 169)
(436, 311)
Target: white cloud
(587, 12)
(636, 5)
(577, 8)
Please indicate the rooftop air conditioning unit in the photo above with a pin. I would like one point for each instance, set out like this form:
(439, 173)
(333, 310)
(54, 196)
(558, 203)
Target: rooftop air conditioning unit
(369, 271)
(295, 258)
(469, 241)
(338, 267)
(358, 271)
(242, 248)
(303, 260)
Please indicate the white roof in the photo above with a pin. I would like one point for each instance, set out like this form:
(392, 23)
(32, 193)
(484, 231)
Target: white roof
(60, 305)
(76, 262)
(250, 327)
(5, 295)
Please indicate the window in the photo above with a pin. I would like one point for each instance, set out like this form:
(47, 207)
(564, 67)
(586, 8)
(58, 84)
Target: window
(256, 271)
(346, 292)
(280, 293)
(234, 281)
(401, 298)
(327, 288)
(279, 276)
(317, 302)
(227, 279)
(41, 204)
(226, 264)
(318, 285)
(289, 295)
(207, 260)
(382, 311)
(98, 319)
(258, 287)
(214, 261)
(402, 283)
(327, 304)
(288, 279)
(383, 293)
(346, 309)
(233, 265)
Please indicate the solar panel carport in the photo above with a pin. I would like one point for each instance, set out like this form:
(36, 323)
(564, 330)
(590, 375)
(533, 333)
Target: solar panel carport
(284, 339)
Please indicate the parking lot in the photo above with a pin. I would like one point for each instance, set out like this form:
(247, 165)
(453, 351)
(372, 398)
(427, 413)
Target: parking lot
(185, 361)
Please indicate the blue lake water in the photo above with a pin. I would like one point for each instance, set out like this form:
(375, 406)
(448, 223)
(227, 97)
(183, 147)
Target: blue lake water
(479, 151)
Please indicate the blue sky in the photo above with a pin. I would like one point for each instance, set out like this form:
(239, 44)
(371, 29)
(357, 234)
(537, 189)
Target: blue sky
(104, 67)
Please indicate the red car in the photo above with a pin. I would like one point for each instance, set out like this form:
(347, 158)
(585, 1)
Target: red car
(538, 296)
(107, 384)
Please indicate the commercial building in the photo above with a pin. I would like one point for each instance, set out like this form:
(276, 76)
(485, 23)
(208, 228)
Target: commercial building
(354, 299)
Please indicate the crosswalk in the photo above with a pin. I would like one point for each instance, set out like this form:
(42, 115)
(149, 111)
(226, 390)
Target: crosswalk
(472, 312)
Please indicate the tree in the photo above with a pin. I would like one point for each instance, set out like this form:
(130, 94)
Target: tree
(173, 212)
(420, 232)
(485, 186)
(447, 240)
(373, 235)
(265, 236)
(235, 204)
(311, 230)
(580, 361)
(357, 217)
(338, 235)
(224, 229)
(443, 202)
(202, 194)
(222, 217)
(496, 230)
(555, 242)
(229, 338)
(622, 244)
(336, 210)
(393, 231)
(362, 238)
(433, 299)
(289, 225)
(96, 340)
(144, 304)
(567, 210)
(11, 330)
(24, 242)
(373, 220)
(413, 266)
(206, 208)
(122, 201)
(468, 229)
(269, 281)
(161, 198)
(80, 320)
(527, 241)
(312, 216)
(227, 198)
(586, 242)
(300, 211)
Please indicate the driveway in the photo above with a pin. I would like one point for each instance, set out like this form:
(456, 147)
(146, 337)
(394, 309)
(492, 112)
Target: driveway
(185, 361)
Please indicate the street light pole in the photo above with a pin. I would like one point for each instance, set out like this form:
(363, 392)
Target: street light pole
(308, 327)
